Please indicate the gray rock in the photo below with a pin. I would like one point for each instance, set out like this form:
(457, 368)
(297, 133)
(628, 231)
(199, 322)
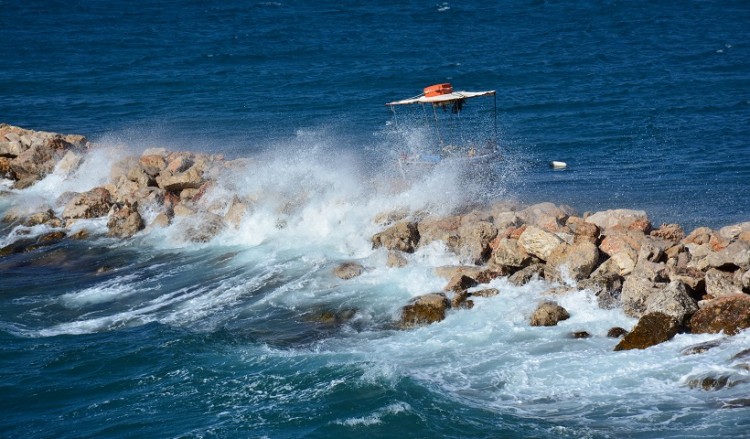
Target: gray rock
(635, 291)
(618, 217)
(124, 221)
(673, 300)
(720, 283)
(92, 204)
(526, 274)
(475, 240)
(735, 255)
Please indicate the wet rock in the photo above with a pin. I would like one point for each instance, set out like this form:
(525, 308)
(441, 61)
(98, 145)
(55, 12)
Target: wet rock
(487, 292)
(730, 314)
(710, 383)
(651, 329)
(508, 255)
(445, 230)
(745, 353)
(616, 332)
(475, 238)
(701, 347)
(46, 217)
(525, 275)
(607, 287)
(461, 300)
(152, 164)
(5, 169)
(34, 163)
(673, 300)
(332, 317)
(580, 334)
(549, 314)
(91, 204)
(176, 182)
(403, 236)
(203, 227)
(426, 309)
(390, 217)
(538, 242)
(670, 232)
(460, 282)
(124, 221)
(236, 212)
(348, 270)
(720, 283)
(624, 218)
(574, 262)
(396, 259)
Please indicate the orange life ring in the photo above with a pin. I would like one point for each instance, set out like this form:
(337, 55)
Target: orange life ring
(438, 89)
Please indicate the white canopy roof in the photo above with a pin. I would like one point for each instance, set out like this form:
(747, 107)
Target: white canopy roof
(448, 97)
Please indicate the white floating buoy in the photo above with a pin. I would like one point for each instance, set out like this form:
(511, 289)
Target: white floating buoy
(558, 165)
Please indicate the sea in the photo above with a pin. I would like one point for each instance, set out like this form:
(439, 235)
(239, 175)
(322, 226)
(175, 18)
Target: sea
(250, 335)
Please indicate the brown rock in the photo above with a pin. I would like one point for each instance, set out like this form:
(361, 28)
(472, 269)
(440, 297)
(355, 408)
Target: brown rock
(651, 329)
(627, 241)
(669, 232)
(546, 216)
(475, 238)
(348, 270)
(396, 259)
(91, 204)
(402, 236)
(526, 274)
(576, 262)
(701, 235)
(191, 178)
(440, 229)
(152, 164)
(538, 242)
(580, 334)
(34, 163)
(616, 332)
(624, 218)
(701, 347)
(548, 314)
(202, 227)
(507, 254)
(487, 292)
(460, 283)
(426, 309)
(5, 169)
(124, 221)
(729, 314)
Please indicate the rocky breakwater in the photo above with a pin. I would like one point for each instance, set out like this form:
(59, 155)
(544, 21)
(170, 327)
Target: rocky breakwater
(671, 281)
(143, 192)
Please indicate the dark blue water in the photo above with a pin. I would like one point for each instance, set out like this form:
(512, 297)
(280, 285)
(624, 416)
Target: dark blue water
(647, 102)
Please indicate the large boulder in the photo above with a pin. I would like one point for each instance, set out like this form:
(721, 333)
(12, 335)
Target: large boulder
(475, 240)
(402, 236)
(735, 255)
(546, 216)
(721, 283)
(426, 309)
(92, 204)
(622, 241)
(618, 218)
(192, 178)
(538, 242)
(152, 164)
(124, 221)
(673, 300)
(548, 314)
(730, 314)
(506, 253)
(733, 231)
(576, 261)
(651, 329)
(445, 230)
(635, 291)
(669, 232)
(34, 163)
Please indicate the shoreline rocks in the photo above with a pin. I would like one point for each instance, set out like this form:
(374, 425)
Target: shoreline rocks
(672, 281)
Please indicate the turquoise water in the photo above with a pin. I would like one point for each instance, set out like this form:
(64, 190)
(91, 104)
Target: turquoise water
(649, 104)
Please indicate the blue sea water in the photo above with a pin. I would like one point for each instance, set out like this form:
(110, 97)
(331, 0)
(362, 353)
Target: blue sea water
(647, 102)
